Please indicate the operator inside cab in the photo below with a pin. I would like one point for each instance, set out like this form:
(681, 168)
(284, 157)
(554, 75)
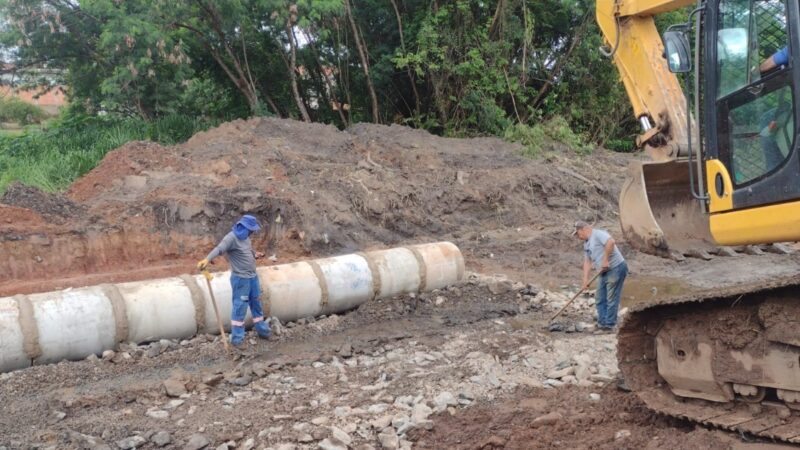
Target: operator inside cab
(771, 120)
(780, 58)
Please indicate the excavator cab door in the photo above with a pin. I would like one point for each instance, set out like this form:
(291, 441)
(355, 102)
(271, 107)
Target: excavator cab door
(750, 98)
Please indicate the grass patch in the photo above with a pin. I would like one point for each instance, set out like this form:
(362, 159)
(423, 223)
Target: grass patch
(621, 145)
(11, 133)
(533, 137)
(51, 159)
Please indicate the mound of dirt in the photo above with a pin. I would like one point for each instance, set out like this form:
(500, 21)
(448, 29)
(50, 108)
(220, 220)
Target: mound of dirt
(319, 191)
(53, 206)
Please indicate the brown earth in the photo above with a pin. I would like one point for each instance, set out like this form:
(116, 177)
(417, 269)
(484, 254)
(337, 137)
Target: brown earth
(618, 420)
(149, 210)
(149, 205)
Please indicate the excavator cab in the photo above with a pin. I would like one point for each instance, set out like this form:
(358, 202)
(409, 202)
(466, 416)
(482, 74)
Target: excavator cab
(740, 183)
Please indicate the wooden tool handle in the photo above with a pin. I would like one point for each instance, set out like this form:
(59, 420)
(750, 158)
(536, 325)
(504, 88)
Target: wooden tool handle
(573, 298)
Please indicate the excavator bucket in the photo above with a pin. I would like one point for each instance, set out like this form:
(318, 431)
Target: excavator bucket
(658, 213)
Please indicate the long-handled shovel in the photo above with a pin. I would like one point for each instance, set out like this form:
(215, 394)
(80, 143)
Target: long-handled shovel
(573, 298)
(208, 278)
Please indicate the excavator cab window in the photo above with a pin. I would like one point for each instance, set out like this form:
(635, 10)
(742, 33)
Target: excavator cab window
(755, 105)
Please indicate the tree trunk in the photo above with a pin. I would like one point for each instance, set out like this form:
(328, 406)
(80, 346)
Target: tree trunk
(241, 84)
(498, 20)
(525, 38)
(362, 54)
(439, 100)
(272, 105)
(241, 79)
(293, 72)
(234, 70)
(408, 69)
(326, 80)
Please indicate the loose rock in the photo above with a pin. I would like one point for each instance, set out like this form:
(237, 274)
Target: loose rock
(622, 434)
(131, 442)
(547, 419)
(443, 400)
(341, 436)
(161, 438)
(420, 412)
(328, 444)
(174, 388)
(157, 414)
(196, 442)
(389, 440)
(242, 381)
(155, 349)
(346, 350)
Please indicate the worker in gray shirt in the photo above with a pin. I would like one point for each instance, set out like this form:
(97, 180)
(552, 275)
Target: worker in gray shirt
(602, 254)
(238, 249)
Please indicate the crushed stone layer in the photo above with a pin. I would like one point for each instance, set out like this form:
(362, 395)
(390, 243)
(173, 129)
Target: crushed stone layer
(427, 371)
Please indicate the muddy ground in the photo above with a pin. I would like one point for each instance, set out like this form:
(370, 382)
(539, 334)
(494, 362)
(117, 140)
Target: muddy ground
(461, 368)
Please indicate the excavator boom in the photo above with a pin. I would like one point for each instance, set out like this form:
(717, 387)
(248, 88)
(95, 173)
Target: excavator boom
(657, 211)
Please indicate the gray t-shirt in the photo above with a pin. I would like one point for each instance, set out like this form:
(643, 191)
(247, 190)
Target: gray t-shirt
(240, 255)
(594, 247)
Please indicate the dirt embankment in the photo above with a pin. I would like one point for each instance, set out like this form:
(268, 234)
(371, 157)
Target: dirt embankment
(148, 209)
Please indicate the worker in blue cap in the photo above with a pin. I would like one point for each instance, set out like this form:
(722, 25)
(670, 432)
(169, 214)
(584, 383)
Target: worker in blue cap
(238, 249)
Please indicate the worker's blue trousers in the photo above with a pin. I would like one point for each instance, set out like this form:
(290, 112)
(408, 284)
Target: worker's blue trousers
(246, 293)
(609, 292)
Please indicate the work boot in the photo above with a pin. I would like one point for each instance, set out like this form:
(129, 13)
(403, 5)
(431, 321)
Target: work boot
(605, 330)
(264, 336)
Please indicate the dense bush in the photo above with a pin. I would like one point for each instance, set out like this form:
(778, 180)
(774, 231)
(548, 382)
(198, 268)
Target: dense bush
(15, 110)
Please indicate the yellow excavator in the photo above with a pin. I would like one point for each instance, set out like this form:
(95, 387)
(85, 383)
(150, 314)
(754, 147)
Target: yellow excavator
(724, 171)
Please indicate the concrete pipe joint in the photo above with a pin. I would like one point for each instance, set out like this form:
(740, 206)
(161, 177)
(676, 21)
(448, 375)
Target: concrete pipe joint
(75, 323)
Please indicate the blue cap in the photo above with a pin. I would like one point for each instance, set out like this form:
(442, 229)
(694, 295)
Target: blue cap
(250, 223)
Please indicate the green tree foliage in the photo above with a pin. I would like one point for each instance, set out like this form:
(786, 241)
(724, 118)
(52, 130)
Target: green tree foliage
(460, 67)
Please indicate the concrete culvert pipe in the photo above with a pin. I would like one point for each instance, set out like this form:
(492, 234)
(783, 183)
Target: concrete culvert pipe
(75, 323)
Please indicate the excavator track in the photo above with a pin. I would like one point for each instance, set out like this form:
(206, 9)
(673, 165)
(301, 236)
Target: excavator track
(725, 358)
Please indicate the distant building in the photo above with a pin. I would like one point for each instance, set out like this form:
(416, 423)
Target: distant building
(50, 99)
(38, 86)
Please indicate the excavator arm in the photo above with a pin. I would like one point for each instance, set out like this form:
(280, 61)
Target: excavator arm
(658, 214)
(654, 92)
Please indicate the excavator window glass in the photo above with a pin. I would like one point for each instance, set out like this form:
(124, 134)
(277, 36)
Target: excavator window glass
(761, 134)
(750, 31)
(756, 121)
